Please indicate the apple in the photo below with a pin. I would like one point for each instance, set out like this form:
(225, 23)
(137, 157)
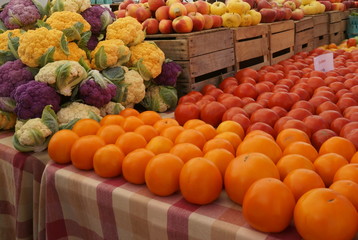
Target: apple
(351, 42)
(280, 14)
(231, 20)
(125, 3)
(170, 2)
(165, 26)
(256, 17)
(246, 20)
(288, 13)
(190, 7)
(143, 1)
(177, 10)
(131, 9)
(347, 4)
(209, 21)
(251, 3)
(202, 7)
(338, 6)
(142, 13)
(263, 4)
(289, 4)
(183, 24)
(162, 13)
(217, 21)
(121, 13)
(327, 4)
(218, 8)
(155, 4)
(198, 20)
(238, 7)
(151, 26)
(268, 15)
(297, 14)
(297, 2)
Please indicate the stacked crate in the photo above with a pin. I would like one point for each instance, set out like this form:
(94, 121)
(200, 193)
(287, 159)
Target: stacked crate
(281, 40)
(251, 47)
(344, 22)
(320, 30)
(304, 35)
(205, 56)
(334, 27)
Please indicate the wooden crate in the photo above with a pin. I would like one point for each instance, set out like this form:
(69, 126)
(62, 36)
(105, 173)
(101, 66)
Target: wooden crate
(251, 47)
(304, 35)
(205, 56)
(335, 32)
(281, 40)
(320, 23)
(334, 16)
(321, 40)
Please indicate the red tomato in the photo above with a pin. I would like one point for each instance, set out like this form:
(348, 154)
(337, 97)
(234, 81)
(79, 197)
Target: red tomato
(319, 137)
(228, 82)
(186, 111)
(315, 82)
(252, 107)
(303, 94)
(242, 120)
(330, 115)
(223, 95)
(349, 95)
(281, 112)
(350, 83)
(347, 128)
(265, 95)
(326, 106)
(286, 82)
(336, 86)
(330, 95)
(215, 92)
(323, 88)
(264, 115)
(208, 97)
(263, 127)
(315, 123)
(246, 90)
(344, 103)
(186, 98)
(338, 123)
(299, 113)
(248, 80)
(294, 123)
(212, 113)
(202, 102)
(341, 92)
(247, 100)
(353, 137)
(281, 99)
(230, 112)
(304, 104)
(207, 87)
(196, 95)
(247, 72)
(350, 110)
(318, 100)
(230, 102)
(279, 123)
(261, 88)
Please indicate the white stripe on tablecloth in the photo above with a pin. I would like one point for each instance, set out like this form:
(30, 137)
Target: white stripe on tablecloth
(157, 219)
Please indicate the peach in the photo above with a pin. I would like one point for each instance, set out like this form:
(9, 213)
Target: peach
(151, 26)
(162, 13)
(217, 21)
(177, 10)
(209, 21)
(155, 4)
(182, 24)
(190, 7)
(198, 20)
(143, 13)
(202, 7)
(165, 26)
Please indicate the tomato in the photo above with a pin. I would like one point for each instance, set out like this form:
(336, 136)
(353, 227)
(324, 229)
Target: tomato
(315, 82)
(248, 80)
(206, 88)
(252, 107)
(281, 112)
(303, 94)
(318, 100)
(326, 106)
(215, 92)
(344, 103)
(350, 95)
(281, 99)
(286, 82)
(212, 113)
(242, 119)
(347, 128)
(228, 82)
(294, 123)
(330, 95)
(350, 83)
(196, 95)
(353, 137)
(223, 95)
(186, 98)
(279, 123)
(319, 137)
(261, 88)
(230, 102)
(245, 90)
(230, 112)
(264, 115)
(186, 111)
(263, 127)
(265, 95)
(338, 123)
(247, 100)
(299, 113)
(315, 123)
(247, 72)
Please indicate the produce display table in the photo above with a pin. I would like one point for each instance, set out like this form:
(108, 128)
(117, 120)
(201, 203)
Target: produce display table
(20, 177)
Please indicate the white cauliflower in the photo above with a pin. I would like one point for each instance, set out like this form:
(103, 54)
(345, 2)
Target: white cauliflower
(33, 131)
(135, 88)
(70, 5)
(77, 110)
(111, 108)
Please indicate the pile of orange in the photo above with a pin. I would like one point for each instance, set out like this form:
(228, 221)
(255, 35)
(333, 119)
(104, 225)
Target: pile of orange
(275, 180)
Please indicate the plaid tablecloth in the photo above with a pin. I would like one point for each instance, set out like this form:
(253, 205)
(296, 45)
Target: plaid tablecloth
(80, 205)
(20, 176)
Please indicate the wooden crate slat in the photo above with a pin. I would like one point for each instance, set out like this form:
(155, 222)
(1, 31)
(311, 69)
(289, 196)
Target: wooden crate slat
(334, 16)
(282, 40)
(336, 37)
(345, 14)
(306, 47)
(276, 27)
(211, 62)
(334, 27)
(303, 24)
(320, 18)
(250, 32)
(320, 29)
(214, 80)
(251, 49)
(304, 37)
(175, 49)
(185, 73)
(321, 40)
(274, 60)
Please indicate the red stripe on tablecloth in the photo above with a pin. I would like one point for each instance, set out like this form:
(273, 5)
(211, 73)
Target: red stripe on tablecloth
(76, 230)
(177, 222)
(38, 168)
(24, 229)
(19, 161)
(7, 208)
(289, 233)
(6, 134)
(105, 207)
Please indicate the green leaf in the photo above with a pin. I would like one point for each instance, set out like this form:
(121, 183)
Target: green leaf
(74, 32)
(13, 45)
(37, 148)
(143, 71)
(6, 56)
(64, 45)
(7, 104)
(94, 116)
(42, 10)
(2, 27)
(85, 37)
(70, 124)
(115, 74)
(34, 71)
(83, 63)
(169, 95)
(40, 23)
(47, 57)
(62, 73)
(124, 55)
(49, 118)
(59, 6)
(101, 58)
(13, 19)
(106, 19)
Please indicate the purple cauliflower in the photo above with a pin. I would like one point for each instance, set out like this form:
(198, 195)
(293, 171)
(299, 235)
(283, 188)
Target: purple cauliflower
(97, 90)
(19, 14)
(170, 72)
(92, 42)
(99, 18)
(32, 97)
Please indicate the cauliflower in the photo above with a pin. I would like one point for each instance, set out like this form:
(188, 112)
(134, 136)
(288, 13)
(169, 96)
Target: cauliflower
(92, 42)
(99, 17)
(76, 53)
(148, 58)
(75, 111)
(20, 14)
(170, 72)
(70, 23)
(4, 37)
(109, 53)
(7, 120)
(70, 5)
(9, 42)
(111, 108)
(32, 97)
(34, 134)
(38, 47)
(127, 29)
(160, 98)
(63, 75)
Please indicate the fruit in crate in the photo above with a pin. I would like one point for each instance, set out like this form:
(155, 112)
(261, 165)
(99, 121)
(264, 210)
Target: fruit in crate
(246, 20)
(198, 20)
(151, 26)
(327, 4)
(231, 20)
(183, 24)
(218, 8)
(209, 21)
(177, 10)
(190, 7)
(155, 4)
(203, 7)
(238, 7)
(166, 26)
(290, 4)
(297, 14)
(268, 15)
(338, 6)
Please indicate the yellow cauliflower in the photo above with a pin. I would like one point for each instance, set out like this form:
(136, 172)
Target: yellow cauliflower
(109, 53)
(40, 46)
(71, 23)
(148, 58)
(127, 29)
(70, 5)
(4, 37)
(76, 53)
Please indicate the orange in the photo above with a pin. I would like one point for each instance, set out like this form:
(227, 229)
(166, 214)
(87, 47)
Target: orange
(301, 148)
(354, 159)
(130, 141)
(233, 138)
(59, 147)
(322, 213)
(191, 136)
(186, 151)
(339, 145)
(347, 172)
(347, 188)
(291, 162)
(131, 123)
(231, 126)
(112, 119)
(162, 174)
(147, 131)
(110, 133)
(149, 117)
(301, 180)
(159, 144)
(268, 205)
(171, 132)
(290, 135)
(129, 112)
(107, 161)
(260, 144)
(218, 143)
(200, 181)
(208, 130)
(192, 123)
(164, 123)
(85, 127)
(244, 170)
(134, 164)
(83, 150)
(221, 157)
(327, 165)
(258, 132)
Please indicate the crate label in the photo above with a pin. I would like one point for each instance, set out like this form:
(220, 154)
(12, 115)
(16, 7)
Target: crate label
(324, 62)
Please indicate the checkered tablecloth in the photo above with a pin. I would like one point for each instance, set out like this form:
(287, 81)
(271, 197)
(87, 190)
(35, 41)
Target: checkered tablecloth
(81, 205)
(20, 177)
